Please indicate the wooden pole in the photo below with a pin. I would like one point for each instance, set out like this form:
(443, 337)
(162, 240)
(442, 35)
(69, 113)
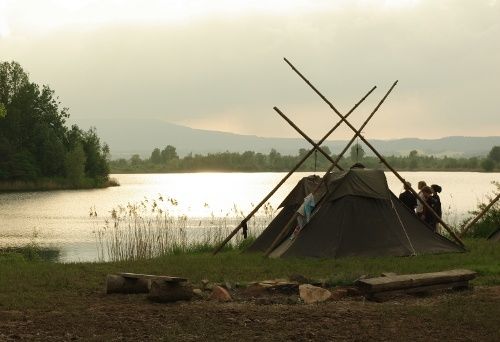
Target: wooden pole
(452, 233)
(467, 226)
(286, 229)
(316, 146)
(244, 221)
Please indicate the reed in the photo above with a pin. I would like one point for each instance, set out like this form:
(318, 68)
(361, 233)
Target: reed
(150, 229)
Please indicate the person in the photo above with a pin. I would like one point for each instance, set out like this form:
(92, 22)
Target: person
(436, 189)
(407, 197)
(427, 216)
(420, 207)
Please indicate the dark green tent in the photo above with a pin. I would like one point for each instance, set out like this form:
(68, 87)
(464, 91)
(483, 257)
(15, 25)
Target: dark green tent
(357, 216)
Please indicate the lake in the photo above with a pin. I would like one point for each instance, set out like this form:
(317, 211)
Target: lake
(61, 218)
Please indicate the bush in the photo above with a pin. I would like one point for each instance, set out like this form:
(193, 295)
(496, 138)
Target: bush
(489, 222)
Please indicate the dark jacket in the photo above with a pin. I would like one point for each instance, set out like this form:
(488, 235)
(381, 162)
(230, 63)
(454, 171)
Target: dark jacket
(408, 199)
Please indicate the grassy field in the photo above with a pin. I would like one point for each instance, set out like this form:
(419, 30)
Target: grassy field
(38, 284)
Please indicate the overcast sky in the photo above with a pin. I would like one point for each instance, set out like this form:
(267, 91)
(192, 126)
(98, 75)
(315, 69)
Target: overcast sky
(218, 65)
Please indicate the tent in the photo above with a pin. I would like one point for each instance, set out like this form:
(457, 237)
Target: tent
(289, 206)
(357, 215)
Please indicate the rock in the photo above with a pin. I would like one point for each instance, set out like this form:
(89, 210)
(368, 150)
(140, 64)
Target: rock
(198, 292)
(228, 285)
(313, 294)
(220, 294)
(164, 292)
(338, 294)
(204, 284)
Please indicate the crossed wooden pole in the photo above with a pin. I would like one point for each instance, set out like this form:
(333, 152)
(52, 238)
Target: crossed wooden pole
(382, 159)
(243, 223)
(291, 222)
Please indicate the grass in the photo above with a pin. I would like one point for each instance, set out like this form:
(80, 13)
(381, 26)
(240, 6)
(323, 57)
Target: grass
(43, 284)
(148, 229)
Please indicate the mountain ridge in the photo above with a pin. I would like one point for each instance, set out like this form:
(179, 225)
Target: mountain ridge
(138, 136)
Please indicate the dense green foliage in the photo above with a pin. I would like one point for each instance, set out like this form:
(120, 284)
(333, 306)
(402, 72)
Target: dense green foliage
(34, 140)
(167, 160)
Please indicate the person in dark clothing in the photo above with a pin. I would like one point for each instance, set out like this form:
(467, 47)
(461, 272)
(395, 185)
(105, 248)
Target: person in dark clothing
(436, 189)
(407, 197)
(427, 216)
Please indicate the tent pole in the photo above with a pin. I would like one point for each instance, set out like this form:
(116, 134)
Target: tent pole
(382, 159)
(467, 226)
(244, 221)
(315, 146)
(287, 227)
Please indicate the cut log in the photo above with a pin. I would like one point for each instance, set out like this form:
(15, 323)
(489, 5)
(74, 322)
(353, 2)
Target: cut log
(119, 284)
(165, 292)
(382, 296)
(153, 277)
(410, 281)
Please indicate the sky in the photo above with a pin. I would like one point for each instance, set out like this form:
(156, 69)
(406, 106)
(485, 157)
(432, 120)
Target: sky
(218, 64)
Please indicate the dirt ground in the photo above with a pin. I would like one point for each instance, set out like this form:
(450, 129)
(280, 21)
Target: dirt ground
(459, 316)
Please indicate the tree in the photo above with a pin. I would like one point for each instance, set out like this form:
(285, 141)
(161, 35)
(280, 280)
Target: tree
(34, 139)
(169, 153)
(74, 165)
(135, 160)
(357, 152)
(494, 154)
(156, 156)
(3, 111)
(488, 164)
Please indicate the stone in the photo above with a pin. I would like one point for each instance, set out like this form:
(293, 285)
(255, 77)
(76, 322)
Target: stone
(198, 292)
(204, 284)
(338, 294)
(228, 285)
(220, 294)
(313, 294)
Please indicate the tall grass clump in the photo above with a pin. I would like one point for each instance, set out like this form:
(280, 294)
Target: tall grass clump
(489, 222)
(149, 229)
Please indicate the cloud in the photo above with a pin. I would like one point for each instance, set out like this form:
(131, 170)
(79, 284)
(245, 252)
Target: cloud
(227, 71)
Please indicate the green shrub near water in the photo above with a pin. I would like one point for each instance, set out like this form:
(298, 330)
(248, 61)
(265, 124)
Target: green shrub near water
(489, 222)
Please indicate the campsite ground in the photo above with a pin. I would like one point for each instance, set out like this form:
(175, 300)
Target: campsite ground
(464, 316)
(49, 301)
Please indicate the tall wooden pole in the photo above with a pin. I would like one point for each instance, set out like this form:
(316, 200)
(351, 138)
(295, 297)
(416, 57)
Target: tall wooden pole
(424, 203)
(244, 221)
(286, 229)
(466, 227)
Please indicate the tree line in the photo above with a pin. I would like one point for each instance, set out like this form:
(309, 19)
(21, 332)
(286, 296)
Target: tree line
(167, 160)
(36, 144)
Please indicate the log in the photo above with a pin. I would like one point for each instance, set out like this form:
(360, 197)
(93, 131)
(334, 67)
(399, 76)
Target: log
(167, 292)
(381, 296)
(119, 284)
(152, 277)
(412, 281)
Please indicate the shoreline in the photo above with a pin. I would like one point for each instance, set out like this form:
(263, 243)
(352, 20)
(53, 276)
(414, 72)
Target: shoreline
(51, 185)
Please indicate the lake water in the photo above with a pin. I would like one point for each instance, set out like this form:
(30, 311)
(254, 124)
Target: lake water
(61, 218)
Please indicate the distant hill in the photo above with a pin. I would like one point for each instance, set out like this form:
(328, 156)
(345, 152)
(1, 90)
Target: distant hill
(130, 136)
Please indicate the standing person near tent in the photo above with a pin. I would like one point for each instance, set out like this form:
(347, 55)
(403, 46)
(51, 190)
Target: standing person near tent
(420, 206)
(436, 189)
(407, 197)
(427, 216)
